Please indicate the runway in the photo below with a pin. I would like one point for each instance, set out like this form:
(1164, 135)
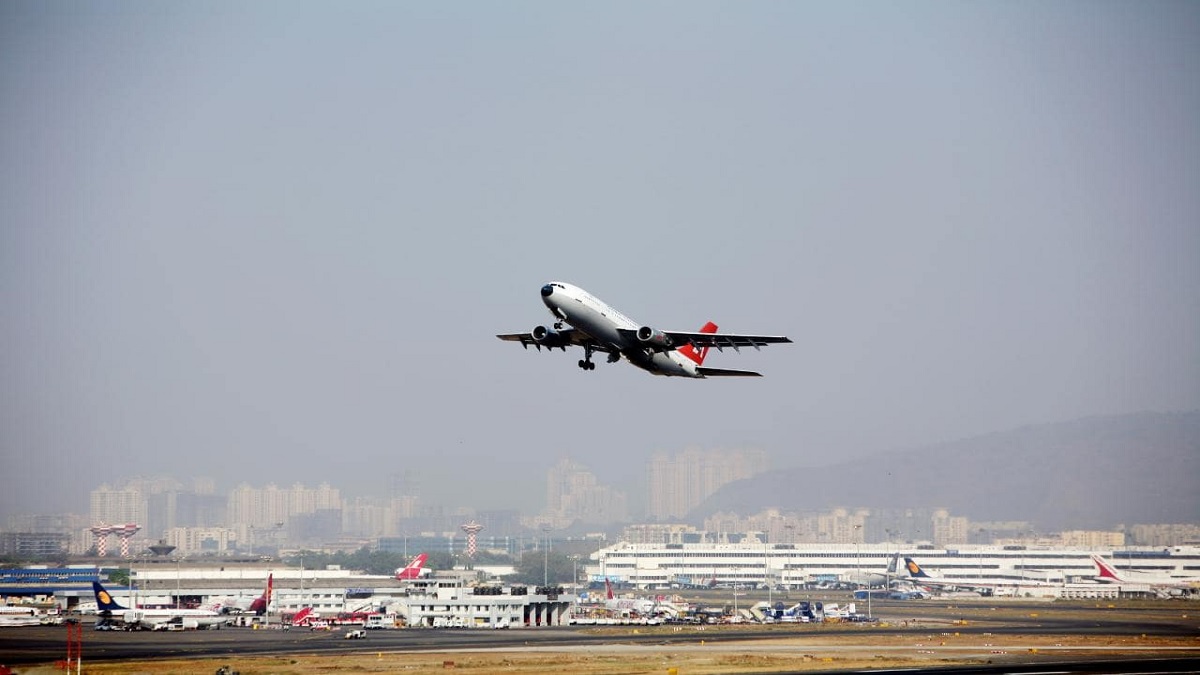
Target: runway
(1007, 633)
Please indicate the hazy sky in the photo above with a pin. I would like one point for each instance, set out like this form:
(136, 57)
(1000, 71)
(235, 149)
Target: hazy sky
(274, 241)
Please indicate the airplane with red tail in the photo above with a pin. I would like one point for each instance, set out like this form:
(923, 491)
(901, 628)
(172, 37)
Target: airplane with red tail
(597, 327)
(257, 606)
(415, 569)
(1107, 573)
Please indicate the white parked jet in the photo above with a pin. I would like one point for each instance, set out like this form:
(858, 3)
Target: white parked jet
(597, 327)
(1107, 573)
(156, 619)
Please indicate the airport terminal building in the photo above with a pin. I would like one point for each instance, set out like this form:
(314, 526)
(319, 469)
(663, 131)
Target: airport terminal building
(755, 564)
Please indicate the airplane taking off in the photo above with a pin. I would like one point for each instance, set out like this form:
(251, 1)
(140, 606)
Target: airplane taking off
(597, 327)
(415, 569)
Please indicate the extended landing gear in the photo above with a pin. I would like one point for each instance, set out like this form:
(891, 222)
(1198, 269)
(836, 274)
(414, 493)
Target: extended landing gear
(586, 362)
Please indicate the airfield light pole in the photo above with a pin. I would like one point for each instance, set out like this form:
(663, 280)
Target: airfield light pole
(787, 563)
(546, 556)
(857, 556)
(736, 570)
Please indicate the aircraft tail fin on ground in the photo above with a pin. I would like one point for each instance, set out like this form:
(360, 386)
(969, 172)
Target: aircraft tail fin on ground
(104, 601)
(608, 589)
(914, 570)
(698, 355)
(262, 602)
(1106, 571)
(413, 569)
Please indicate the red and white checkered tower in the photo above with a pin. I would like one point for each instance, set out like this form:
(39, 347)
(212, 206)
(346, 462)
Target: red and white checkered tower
(101, 532)
(472, 529)
(126, 533)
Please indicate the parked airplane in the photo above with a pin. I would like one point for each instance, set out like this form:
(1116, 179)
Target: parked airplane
(257, 606)
(1109, 574)
(870, 579)
(597, 327)
(156, 618)
(641, 606)
(18, 616)
(415, 569)
(920, 577)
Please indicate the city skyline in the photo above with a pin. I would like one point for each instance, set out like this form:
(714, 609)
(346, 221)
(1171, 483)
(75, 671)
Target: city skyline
(269, 517)
(252, 242)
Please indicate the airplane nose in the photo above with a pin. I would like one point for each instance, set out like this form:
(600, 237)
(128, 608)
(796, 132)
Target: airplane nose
(547, 290)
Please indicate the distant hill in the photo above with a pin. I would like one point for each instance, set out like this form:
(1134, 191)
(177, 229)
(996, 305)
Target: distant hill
(1095, 472)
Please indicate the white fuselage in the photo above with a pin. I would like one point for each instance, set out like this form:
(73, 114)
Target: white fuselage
(601, 322)
(202, 617)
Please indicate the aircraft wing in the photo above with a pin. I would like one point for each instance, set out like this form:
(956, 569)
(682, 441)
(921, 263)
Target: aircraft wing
(718, 340)
(556, 340)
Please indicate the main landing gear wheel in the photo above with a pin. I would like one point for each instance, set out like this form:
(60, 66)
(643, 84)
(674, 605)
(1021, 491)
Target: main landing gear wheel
(586, 362)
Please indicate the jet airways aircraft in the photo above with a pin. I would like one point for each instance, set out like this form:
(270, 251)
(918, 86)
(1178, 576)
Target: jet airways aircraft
(597, 327)
(155, 618)
(918, 576)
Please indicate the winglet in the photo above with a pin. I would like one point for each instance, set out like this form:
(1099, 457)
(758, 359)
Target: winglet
(698, 355)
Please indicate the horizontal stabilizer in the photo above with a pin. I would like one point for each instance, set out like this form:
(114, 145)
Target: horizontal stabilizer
(723, 372)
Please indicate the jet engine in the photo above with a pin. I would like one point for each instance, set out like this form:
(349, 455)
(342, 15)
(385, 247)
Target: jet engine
(654, 339)
(544, 337)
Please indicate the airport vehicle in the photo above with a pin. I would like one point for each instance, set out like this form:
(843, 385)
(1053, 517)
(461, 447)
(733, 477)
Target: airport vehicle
(597, 327)
(1107, 573)
(415, 569)
(138, 617)
(355, 635)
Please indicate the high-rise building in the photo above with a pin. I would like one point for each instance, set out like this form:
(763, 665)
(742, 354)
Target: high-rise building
(679, 482)
(574, 494)
(118, 506)
(261, 515)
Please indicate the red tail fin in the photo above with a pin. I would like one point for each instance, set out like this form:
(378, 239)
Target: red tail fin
(608, 588)
(1106, 570)
(413, 569)
(262, 603)
(698, 355)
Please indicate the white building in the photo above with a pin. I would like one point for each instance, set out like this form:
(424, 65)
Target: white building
(750, 563)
